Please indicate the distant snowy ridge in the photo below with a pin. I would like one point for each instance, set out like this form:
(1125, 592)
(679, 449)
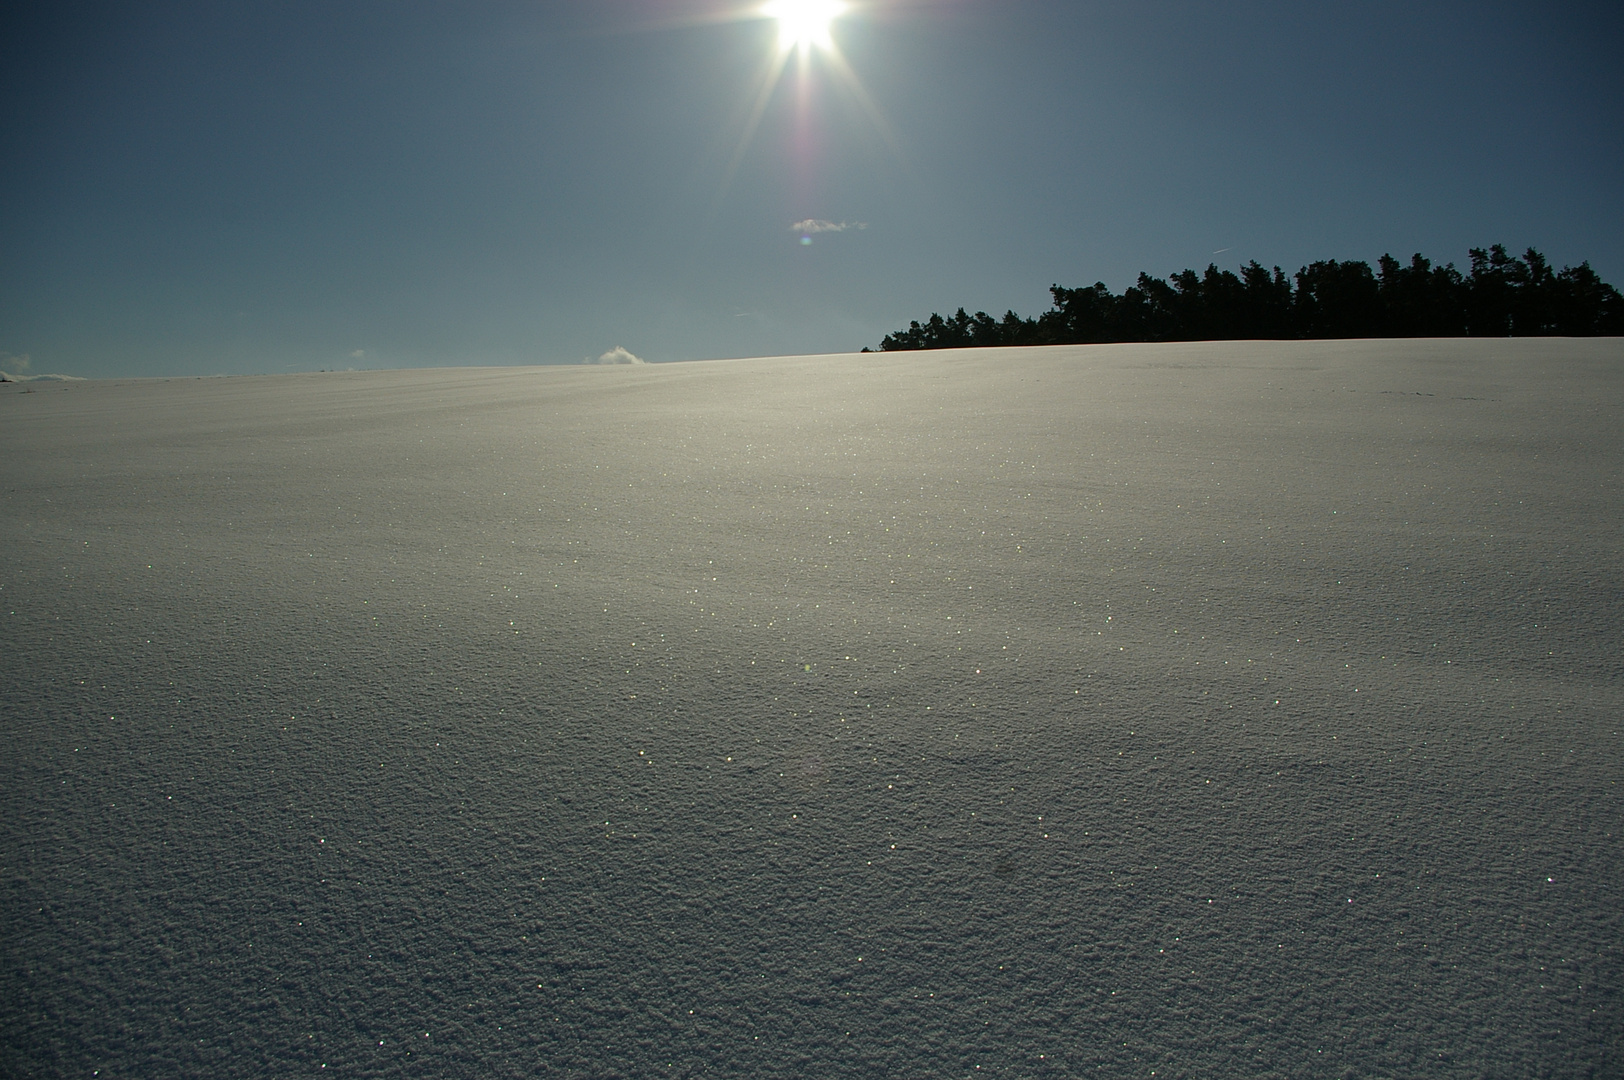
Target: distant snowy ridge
(7, 377)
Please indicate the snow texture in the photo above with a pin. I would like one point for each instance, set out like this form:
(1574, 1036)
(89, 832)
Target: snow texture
(1176, 710)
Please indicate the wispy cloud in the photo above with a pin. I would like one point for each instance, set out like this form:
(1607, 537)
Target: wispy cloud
(818, 225)
(18, 377)
(13, 368)
(618, 355)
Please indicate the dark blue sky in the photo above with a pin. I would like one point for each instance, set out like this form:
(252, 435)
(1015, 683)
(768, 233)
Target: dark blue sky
(218, 187)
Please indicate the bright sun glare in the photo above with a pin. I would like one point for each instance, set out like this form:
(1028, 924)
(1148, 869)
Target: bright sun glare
(802, 23)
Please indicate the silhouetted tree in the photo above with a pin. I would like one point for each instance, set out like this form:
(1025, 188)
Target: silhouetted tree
(1080, 316)
(1336, 300)
(1420, 300)
(1495, 279)
(1583, 305)
(1503, 295)
(1267, 302)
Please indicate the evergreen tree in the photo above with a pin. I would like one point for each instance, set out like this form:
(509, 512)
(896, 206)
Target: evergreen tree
(1502, 295)
(1336, 300)
(1420, 300)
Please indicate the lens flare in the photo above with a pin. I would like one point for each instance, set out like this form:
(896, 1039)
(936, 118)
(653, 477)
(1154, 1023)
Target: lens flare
(806, 48)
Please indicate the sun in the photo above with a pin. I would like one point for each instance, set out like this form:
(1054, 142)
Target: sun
(804, 23)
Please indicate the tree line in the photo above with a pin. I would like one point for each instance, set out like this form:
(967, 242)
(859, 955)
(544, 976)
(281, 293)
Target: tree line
(1501, 296)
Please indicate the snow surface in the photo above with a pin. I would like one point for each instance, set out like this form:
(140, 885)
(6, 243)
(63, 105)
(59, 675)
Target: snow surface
(1175, 710)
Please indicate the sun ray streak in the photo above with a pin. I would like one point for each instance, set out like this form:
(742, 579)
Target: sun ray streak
(771, 76)
(805, 37)
(854, 86)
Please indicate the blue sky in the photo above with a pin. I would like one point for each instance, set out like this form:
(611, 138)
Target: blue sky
(218, 187)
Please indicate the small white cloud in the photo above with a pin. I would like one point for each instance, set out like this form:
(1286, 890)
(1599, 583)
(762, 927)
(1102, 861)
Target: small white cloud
(618, 355)
(358, 354)
(812, 226)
